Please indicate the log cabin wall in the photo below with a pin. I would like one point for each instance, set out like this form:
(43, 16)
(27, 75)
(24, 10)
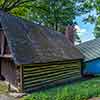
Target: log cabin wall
(36, 77)
(9, 71)
(19, 78)
(0, 38)
(0, 43)
(8, 68)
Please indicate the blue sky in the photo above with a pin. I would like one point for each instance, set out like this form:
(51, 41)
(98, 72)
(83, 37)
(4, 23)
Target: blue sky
(86, 33)
(87, 30)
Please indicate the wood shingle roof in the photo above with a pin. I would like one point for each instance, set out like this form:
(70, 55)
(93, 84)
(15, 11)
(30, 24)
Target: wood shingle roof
(33, 43)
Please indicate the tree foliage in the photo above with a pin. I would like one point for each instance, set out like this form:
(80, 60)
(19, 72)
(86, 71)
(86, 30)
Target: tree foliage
(97, 27)
(55, 13)
(17, 7)
(90, 6)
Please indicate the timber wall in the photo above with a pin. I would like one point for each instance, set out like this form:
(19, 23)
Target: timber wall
(8, 70)
(36, 77)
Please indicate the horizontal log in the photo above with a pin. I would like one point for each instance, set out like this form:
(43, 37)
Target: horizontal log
(39, 75)
(52, 66)
(47, 71)
(47, 76)
(49, 81)
(51, 63)
(50, 78)
(35, 77)
(29, 89)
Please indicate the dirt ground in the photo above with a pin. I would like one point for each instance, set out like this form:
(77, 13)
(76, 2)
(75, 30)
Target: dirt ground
(4, 92)
(95, 98)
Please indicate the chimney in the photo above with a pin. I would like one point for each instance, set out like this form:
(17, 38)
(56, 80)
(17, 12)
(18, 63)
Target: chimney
(69, 33)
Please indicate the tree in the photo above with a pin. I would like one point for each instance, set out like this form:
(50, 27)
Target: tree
(93, 5)
(54, 13)
(97, 27)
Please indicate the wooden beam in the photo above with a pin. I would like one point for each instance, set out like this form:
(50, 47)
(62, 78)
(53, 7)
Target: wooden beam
(18, 78)
(21, 78)
(0, 66)
(1, 76)
(52, 63)
(2, 43)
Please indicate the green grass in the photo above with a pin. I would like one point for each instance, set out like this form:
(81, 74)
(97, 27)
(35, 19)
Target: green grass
(3, 88)
(77, 91)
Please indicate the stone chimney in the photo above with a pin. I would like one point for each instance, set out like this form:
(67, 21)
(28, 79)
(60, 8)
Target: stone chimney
(69, 33)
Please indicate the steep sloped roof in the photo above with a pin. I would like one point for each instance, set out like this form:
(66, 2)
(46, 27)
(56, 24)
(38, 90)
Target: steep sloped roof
(90, 49)
(33, 43)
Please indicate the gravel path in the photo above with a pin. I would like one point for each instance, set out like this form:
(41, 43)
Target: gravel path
(6, 97)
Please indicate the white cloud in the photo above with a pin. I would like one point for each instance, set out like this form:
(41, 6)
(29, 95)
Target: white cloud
(84, 34)
(77, 28)
(80, 31)
(83, 30)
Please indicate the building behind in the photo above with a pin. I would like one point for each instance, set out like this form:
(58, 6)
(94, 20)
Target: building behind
(91, 51)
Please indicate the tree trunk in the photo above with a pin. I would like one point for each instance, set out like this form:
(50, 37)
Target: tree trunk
(56, 26)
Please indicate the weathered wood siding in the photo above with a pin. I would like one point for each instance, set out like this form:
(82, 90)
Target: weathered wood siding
(36, 77)
(8, 70)
(0, 42)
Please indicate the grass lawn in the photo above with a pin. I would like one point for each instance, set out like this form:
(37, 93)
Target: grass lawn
(77, 91)
(3, 88)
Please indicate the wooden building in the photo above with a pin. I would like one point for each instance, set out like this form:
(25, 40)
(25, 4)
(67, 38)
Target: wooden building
(91, 51)
(33, 56)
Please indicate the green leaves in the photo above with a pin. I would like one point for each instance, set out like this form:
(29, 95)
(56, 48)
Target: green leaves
(97, 28)
(53, 13)
(90, 19)
(91, 6)
(8, 5)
